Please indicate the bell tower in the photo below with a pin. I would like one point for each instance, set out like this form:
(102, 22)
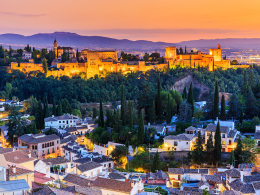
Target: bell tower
(55, 48)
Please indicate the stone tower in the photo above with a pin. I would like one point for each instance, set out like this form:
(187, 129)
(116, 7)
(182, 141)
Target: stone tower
(171, 52)
(55, 48)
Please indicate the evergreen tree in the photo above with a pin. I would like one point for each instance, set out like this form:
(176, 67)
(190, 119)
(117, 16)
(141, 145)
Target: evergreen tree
(140, 134)
(109, 120)
(159, 100)
(66, 108)
(45, 65)
(101, 115)
(185, 50)
(197, 154)
(54, 107)
(234, 107)
(59, 109)
(123, 106)
(218, 144)
(47, 113)
(210, 149)
(152, 115)
(185, 113)
(168, 114)
(232, 158)
(34, 129)
(39, 116)
(223, 108)
(184, 93)
(190, 98)
(156, 166)
(251, 79)
(216, 101)
(238, 152)
(241, 117)
(244, 85)
(94, 113)
(250, 105)
(131, 121)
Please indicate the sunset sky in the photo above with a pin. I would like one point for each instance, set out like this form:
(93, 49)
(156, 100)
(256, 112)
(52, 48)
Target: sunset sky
(155, 20)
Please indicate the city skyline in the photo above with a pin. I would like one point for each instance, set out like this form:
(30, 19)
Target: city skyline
(167, 21)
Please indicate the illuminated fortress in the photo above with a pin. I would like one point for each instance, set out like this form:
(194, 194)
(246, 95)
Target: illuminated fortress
(102, 62)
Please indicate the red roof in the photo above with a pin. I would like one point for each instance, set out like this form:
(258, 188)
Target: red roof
(41, 178)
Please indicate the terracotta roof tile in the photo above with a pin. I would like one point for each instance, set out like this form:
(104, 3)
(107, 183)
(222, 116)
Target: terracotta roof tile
(17, 157)
(212, 127)
(38, 139)
(113, 185)
(56, 161)
(77, 180)
(83, 190)
(52, 191)
(184, 136)
(88, 166)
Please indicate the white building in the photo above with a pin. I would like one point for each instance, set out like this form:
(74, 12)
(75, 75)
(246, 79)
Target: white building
(181, 142)
(27, 55)
(160, 130)
(89, 169)
(229, 124)
(59, 122)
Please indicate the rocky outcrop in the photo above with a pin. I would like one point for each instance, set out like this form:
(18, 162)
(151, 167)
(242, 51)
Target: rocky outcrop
(186, 80)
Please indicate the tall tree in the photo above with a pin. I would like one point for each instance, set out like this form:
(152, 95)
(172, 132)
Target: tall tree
(159, 101)
(54, 107)
(197, 154)
(238, 152)
(244, 85)
(131, 121)
(156, 166)
(123, 106)
(34, 129)
(184, 93)
(140, 133)
(185, 113)
(234, 107)
(39, 118)
(223, 108)
(47, 113)
(94, 113)
(250, 105)
(169, 112)
(210, 149)
(190, 98)
(101, 115)
(45, 65)
(59, 109)
(218, 145)
(66, 107)
(216, 101)
(251, 79)
(152, 116)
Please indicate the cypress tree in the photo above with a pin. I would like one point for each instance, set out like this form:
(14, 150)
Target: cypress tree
(232, 158)
(223, 108)
(131, 122)
(250, 105)
(216, 101)
(140, 133)
(59, 109)
(39, 115)
(54, 107)
(101, 115)
(238, 152)
(47, 113)
(159, 100)
(156, 166)
(45, 66)
(123, 106)
(234, 107)
(210, 149)
(152, 115)
(184, 93)
(244, 85)
(218, 145)
(185, 50)
(44, 107)
(34, 129)
(168, 114)
(190, 98)
(197, 154)
(241, 117)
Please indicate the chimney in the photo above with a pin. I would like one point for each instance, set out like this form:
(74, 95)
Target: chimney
(52, 116)
(29, 154)
(242, 175)
(132, 183)
(14, 168)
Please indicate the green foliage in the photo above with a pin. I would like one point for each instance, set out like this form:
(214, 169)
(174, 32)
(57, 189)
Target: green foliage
(238, 152)
(174, 164)
(218, 144)
(234, 107)
(59, 109)
(66, 108)
(158, 99)
(223, 109)
(45, 65)
(197, 154)
(101, 122)
(216, 102)
(198, 114)
(168, 114)
(140, 128)
(39, 118)
(156, 165)
(210, 149)
(184, 93)
(54, 107)
(119, 152)
(180, 126)
(100, 135)
(190, 98)
(250, 106)
(140, 161)
(123, 102)
(76, 112)
(185, 112)
(94, 113)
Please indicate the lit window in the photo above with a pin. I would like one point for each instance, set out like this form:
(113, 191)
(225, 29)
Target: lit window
(223, 143)
(223, 135)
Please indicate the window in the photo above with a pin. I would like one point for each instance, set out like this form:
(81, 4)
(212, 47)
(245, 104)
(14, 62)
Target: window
(52, 150)
(187, 143)
(42, 145)
(98, 172)
(223, 135)
(59, 121)
(175, 143)
(48, 145)
(208, 134)
(258, 143)
(57, 141)
(223, 143)
(63, 121)
(33, 147)
(58, 148)
(59, 126)
(43, 152)
(45, 145)
(229, 142)
(52, 143)
(91, 173)
(48, 151)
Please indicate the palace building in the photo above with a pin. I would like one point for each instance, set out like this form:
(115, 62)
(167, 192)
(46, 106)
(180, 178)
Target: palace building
(102, 62)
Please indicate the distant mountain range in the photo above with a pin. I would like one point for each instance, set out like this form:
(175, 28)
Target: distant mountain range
(98, 42)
